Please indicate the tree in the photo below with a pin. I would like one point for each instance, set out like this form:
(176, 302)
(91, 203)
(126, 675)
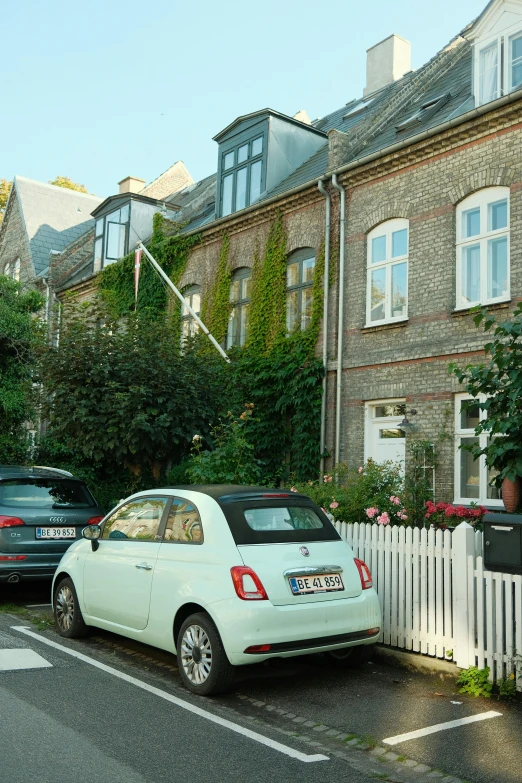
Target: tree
(66, 182)
(496, 387)
(5, 187)
(20, 335)
(122, 393)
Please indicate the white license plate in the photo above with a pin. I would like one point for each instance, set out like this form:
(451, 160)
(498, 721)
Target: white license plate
(324, 583)
(55, 532)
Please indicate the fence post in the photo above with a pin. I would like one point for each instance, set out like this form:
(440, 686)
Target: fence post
(462, 547)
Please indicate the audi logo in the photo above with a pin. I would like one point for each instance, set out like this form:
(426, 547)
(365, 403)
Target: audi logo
(57, 520)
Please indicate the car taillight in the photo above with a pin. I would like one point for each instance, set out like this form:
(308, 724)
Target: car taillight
(258, 648)
(247, 584)
(10, 521)
(364, 573)
(94, 520)
(13, 557)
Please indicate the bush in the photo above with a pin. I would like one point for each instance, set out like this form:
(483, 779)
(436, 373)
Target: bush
(370, 494)
(446, 515)
(231, 459)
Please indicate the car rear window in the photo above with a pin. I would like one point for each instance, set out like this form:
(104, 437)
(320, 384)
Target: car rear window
(45, 493)
(277, 522)
(284, 518)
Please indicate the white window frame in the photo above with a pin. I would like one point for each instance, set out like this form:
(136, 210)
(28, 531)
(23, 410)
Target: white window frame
(187, 320)
(503, 42)
(461, 433)
(482, 199)
(386, 229)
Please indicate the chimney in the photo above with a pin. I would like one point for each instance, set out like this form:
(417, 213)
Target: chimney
(131, 185)
(302, 116)
(386, 62)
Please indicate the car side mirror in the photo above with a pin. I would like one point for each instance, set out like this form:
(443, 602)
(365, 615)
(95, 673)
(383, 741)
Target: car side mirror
(92, 533)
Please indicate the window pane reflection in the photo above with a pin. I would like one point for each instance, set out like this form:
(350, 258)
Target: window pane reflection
(497, 267)
(378, 291)
(399, 290)
(469, 471)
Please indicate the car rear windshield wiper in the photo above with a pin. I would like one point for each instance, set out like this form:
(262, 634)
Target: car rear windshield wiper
(70, 505)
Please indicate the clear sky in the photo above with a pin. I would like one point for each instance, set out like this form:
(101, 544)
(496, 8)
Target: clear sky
(102, 89)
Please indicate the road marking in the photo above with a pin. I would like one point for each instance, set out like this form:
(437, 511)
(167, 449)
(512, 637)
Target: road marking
(14, 660)
(451, 724)
(185, 705)
(35, 606)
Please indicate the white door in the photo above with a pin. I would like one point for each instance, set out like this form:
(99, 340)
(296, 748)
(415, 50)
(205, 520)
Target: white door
(385, 440)
(117, 577)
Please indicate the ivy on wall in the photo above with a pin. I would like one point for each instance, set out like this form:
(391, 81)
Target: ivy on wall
(116, 282)
(216, 305)
(277, 372)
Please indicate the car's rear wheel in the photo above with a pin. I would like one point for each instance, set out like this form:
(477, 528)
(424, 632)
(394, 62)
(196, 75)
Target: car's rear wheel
(67, 612)
(202, 660)
(352, 656)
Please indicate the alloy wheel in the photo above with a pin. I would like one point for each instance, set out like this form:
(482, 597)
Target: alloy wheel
(65, 608)
(196, 654)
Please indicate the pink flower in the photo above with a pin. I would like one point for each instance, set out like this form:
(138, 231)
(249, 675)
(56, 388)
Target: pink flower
(361, 470)
(402, 515)
(334, 504)
(371, 512)
(293, 489)
(327, 478)
(384, 519)
(396, 500)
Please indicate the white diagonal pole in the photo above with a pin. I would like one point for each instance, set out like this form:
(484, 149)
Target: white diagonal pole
(181, 298)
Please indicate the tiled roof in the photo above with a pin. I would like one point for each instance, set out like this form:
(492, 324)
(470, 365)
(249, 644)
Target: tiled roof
(54, 217)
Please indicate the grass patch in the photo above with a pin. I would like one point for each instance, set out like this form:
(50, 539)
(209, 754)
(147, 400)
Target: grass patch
(402, 758)
(370, 741)
(350, 737)
(13, 609)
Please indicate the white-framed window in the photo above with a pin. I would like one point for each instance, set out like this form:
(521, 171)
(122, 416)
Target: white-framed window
(189, 326)
(387, 281)
(240, 304)
(483, 248)
(12, 269)
(384, 439)
(498, 65)
(472, 476)
(299, 289)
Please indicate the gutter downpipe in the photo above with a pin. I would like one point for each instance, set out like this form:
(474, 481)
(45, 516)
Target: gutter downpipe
(340, 326)
(328, 198)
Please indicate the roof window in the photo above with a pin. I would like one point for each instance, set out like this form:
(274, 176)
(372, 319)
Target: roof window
(424, 113)
(357, 106)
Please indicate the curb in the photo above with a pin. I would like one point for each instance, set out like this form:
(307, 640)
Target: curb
(415, 662)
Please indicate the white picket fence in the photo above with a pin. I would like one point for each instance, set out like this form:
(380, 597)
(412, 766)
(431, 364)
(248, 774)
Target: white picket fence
(437, 599)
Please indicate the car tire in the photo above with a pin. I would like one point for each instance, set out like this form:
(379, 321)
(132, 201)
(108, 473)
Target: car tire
(352, 656)
(67, 613)
(202, 660)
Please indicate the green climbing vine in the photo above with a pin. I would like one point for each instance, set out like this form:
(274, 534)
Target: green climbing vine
(216, 305)
(267, 309)
(116, 282)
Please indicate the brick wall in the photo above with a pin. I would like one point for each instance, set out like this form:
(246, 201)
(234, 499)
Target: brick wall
(13, 241)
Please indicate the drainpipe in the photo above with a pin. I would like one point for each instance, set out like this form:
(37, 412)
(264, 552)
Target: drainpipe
(328, 198)
(340, 325)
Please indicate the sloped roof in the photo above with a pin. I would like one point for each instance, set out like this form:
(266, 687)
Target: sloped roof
(53, 217)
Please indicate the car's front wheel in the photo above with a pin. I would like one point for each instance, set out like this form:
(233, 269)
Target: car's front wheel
(202, 660)
(67, 612)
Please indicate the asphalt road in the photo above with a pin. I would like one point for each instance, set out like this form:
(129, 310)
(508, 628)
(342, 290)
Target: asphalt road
(88, 721)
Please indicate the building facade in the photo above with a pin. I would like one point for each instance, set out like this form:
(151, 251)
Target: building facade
(414, 191)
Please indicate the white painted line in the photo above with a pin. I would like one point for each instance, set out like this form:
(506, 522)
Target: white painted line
(35, 606)
(451, 724)
(14, 660)
(185, 705)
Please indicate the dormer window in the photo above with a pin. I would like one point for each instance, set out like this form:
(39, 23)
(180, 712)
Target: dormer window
(497, 43)
(241, 175)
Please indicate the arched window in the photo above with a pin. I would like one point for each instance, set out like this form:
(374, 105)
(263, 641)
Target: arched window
(387, 286)
(189, 325)
(483, 248)
(16, 270)
(7, 269)
(240, 299)
(299, 289)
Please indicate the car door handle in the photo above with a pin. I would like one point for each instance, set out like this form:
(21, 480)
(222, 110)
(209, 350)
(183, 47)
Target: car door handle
(144, 566)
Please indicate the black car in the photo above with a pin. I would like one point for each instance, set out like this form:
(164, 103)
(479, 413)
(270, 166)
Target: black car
(42, 512)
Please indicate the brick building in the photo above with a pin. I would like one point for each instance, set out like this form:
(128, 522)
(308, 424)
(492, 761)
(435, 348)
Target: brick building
(416, 190)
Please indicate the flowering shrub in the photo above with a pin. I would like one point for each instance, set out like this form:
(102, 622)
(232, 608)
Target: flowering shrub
(350, 495)
(446, 515)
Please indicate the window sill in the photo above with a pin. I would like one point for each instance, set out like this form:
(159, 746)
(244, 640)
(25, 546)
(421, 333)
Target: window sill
(385, 325)
(502, 304)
